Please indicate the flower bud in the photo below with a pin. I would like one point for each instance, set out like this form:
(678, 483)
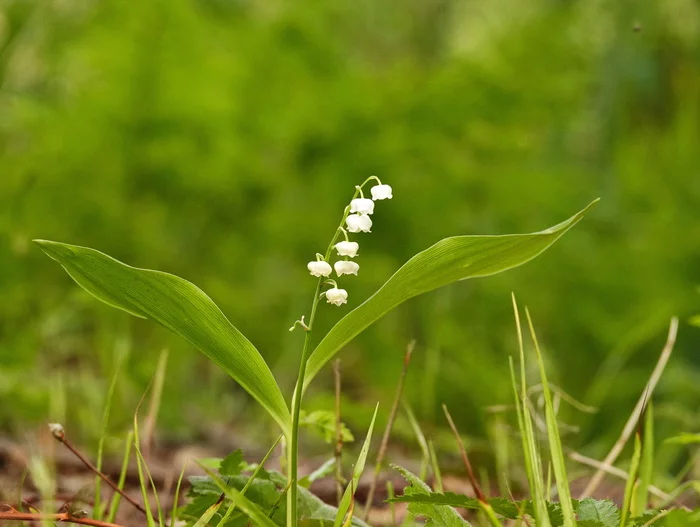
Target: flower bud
(362, 206)
(381, 192)
(319, 268)
(359, 223)
(344, 267)
(336, 296)
(346, 248)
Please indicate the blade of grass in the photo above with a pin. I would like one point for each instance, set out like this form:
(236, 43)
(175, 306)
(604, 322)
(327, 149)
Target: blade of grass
(422, 443)
(389, 425)
(176, 497)
(97, 506)
(631, 480)
(204, 519)
(646, 469)
(149, 424)
(501, 449)
(556, 450)
(436, 467)
(348, 497)
(116, 498)
(392, 506)
(637, 412)
(142, 481)
(533, 463)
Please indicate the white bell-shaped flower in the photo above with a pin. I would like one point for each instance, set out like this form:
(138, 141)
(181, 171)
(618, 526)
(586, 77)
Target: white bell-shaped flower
(362, 206)
(336, 296)
(359, 223)
(346, 248)
(344, 267)
(381, 192)
(320, 268)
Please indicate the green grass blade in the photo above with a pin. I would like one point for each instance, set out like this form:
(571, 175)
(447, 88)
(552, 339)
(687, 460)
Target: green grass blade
(97, 505)
(631, 480)
(533, 462)
(646, 469)
(449, 260)
(346, 502)
(116, 498)
(181, 307)
(422, 443)
(555, 448)
(204, 519)
(436, 467)
(143, 484)
(176, 497)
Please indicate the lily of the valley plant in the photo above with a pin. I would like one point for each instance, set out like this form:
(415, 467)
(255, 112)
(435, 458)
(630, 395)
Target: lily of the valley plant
(186, 310)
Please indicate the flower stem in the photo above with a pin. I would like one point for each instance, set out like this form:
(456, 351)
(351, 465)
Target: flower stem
(293, 443)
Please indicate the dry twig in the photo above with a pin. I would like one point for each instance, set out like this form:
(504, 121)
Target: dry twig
(58, 433)
(638, 409)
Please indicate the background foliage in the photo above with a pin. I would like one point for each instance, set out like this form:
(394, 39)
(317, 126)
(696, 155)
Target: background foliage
(220, 139)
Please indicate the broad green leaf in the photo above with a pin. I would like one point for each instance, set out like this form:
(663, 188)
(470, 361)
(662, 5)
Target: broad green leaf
(232, 464)
(605, 512)
(349, 494)
(181, 307)
(438, 515)
(449, 260)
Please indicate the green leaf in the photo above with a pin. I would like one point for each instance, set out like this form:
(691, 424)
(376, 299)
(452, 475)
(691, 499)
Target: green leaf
(252, 509)
(438, 515)
(320, 473)
(604, 512)
(181, 307)
(684, 439)
(232, 464)
(323, 422)
(346, 500)
(265, 494)
(449, 260)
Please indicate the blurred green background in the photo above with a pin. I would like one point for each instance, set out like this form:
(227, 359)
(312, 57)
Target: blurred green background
(220, 139)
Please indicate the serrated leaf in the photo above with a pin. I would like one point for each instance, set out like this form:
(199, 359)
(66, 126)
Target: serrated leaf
(449, 260)
(181, 307)
(437, 515)
(232, 464)
(605, 512)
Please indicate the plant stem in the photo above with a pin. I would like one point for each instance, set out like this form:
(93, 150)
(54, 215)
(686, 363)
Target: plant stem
(293, 444)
